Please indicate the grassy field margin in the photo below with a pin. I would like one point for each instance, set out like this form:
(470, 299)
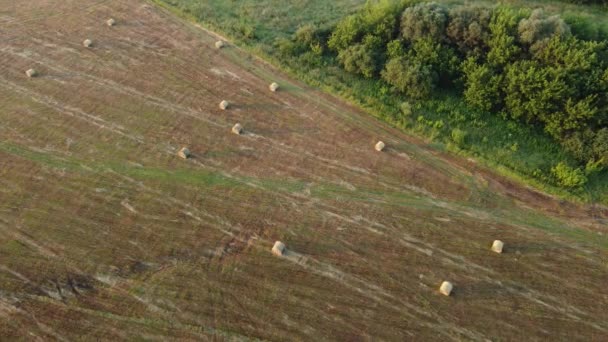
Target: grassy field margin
(387, 109)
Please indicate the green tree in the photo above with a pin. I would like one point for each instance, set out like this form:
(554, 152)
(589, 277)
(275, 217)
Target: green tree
(503, 32)
(346, 33)
(425, 20)
(381, 18)
(468, 28)
(440, 58)
(410, 77)
(376, 18)
(358, 59)
(482, 85)
(533, 93)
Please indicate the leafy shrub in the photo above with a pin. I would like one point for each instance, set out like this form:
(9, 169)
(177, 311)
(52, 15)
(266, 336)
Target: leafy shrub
(287, 47)
(459, 137)
(306, 35)
(406, 109)
(569, 177)
(600, 146)
(594, 166)
(395, 49)
(538, 29)
(577, 144)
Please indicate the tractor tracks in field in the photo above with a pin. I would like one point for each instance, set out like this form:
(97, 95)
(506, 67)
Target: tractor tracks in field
(370, 290)
(74, 112)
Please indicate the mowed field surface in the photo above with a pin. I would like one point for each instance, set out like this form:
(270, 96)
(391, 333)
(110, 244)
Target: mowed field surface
(106, 234)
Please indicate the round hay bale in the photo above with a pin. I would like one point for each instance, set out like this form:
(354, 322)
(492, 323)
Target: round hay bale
(278, 249)
(219, 44)
(111, 22)
(274, 86)
(31, 73)
(497, 246)
(87, 43)
(380, 146)
(184, 153)
(446, 288)
(224, 105)
(237, 129)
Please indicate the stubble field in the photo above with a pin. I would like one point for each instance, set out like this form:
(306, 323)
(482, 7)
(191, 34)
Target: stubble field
(106, 234)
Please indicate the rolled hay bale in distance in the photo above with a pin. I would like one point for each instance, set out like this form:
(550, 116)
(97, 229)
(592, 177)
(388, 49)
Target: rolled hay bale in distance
(219, 44)
(274, 86)
(31, 73)
(87, 43)
(278, 248)
(111, 22)
(497, 246)
(446, 288)
(380, 146)
(224, 105)
(237, 129)
(184, 153)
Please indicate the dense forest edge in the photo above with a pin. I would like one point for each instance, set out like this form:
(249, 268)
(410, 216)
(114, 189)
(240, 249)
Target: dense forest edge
(521, 89)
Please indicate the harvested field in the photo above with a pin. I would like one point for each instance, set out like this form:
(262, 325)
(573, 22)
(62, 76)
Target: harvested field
(105, 234)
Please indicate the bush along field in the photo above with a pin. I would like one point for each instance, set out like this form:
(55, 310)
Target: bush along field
(522, 90)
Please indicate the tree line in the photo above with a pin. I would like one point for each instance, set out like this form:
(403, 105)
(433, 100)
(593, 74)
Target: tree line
(521, 64)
